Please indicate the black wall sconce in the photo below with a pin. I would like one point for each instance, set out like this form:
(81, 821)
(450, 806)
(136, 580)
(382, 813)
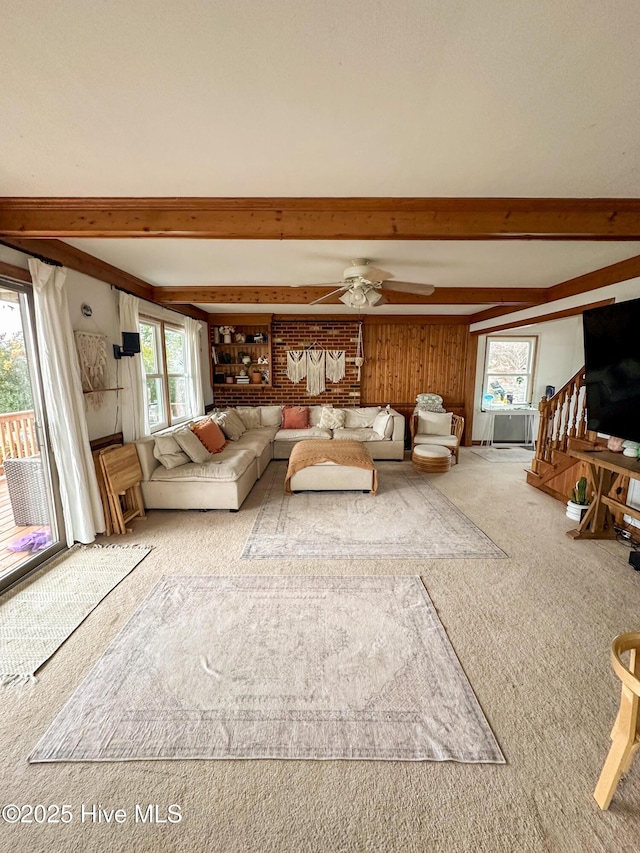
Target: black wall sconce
(130, 345)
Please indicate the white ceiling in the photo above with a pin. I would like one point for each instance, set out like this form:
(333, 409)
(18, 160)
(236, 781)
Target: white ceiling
(292, 97)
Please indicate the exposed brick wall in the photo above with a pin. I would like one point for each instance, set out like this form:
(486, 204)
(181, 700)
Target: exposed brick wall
(296, 335)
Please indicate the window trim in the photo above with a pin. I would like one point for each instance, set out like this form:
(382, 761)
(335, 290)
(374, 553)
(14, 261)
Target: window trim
(531, 372)
(164, 375)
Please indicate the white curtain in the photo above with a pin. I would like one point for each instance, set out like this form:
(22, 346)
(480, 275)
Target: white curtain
(192, 330)
(62, 389)
(132, 378)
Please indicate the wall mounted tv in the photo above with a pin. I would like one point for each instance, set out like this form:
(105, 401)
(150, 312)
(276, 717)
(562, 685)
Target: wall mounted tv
(612, 369)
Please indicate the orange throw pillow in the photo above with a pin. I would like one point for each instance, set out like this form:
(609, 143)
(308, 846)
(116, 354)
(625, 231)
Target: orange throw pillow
(295, 417)
(210, 435)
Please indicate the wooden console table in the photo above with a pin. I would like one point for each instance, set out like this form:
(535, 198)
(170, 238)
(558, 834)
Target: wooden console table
(606, 469)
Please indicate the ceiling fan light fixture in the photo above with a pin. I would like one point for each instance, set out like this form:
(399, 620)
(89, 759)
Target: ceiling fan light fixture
(362, 295)
(354, 298)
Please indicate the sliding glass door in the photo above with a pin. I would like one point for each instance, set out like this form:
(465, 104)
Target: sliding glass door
(30, 529)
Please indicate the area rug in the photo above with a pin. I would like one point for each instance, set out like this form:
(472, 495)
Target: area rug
(38, 615)
(408, 519)
(504, 454)
(276, 667)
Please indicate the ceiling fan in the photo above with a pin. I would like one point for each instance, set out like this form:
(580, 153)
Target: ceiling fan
(361, 284)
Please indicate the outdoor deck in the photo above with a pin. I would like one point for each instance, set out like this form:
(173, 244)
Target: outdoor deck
(9, 532)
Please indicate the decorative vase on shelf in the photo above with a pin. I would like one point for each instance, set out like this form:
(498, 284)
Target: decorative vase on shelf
(229, 380)
(256, 377)
(227, 339)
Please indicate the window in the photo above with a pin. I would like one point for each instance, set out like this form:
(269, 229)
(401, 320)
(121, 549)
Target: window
(164, 361)
(508, 373)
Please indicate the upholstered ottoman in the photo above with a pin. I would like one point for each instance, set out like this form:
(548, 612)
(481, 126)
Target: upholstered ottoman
(431, 458)
(319, 466)
(327, 476)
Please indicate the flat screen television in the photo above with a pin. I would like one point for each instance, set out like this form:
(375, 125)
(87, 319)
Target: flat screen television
(612, 369)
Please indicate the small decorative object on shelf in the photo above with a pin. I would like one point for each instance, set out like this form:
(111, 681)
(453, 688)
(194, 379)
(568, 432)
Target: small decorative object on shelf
(240, 338)
(226, 332)
(630, 448)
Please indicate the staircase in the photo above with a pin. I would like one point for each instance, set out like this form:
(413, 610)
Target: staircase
(563, 426)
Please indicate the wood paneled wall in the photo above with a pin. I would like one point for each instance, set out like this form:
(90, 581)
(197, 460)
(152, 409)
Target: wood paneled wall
(405, 359)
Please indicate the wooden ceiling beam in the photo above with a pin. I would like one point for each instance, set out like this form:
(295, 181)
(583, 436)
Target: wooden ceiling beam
(76, 259)
(612, 274)
(323, 218)
(498, 311)
(249, 295)
(543, 318)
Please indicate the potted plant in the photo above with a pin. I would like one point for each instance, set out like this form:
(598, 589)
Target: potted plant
(579, 502)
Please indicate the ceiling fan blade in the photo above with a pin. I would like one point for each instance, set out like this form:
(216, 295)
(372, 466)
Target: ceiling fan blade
(316, 284)
(328, 295)
(409, 287)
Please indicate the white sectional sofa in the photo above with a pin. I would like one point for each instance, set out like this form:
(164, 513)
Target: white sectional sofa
(224, 480)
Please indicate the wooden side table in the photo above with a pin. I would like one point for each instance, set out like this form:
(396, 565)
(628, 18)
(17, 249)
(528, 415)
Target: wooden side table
(607, 470)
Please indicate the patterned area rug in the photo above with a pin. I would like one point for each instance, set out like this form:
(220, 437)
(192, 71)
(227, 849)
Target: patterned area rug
(504, 454)
(276, 667)
(38, 615)
(408, 518)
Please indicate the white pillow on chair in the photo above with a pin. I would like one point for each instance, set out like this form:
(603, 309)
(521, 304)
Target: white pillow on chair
(434, 423)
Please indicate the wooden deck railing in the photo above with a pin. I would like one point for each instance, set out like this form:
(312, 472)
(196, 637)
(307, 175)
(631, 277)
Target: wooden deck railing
(562, 417)
(17, 436)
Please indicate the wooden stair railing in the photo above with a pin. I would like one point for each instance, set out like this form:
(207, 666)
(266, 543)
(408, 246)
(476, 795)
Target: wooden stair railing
(563, 426)
(563, 422)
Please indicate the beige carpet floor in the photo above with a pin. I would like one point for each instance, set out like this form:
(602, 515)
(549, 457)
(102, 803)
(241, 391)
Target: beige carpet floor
(532, 633)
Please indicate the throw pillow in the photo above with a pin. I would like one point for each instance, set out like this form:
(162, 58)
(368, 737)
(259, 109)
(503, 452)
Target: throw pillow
(358, 418)
(434, 423)
(380, 424)
(295, 417)
(271, 416)
(331, 418)
(230, 424)
(250, 416)
(168, 452)
(315, 413)
(192, 446)
(210, 435)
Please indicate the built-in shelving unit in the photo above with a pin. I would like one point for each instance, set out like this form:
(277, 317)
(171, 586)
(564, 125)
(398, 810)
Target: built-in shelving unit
(239, 354)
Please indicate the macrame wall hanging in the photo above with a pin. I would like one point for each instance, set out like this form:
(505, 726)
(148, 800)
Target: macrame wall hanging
(315, 365)
(92, 356)
(296, 365)
(335, 365)
(315, 372)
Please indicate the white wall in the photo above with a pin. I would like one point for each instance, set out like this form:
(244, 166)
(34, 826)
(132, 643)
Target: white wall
(560, 344)
(560, 353)
(103, 299)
